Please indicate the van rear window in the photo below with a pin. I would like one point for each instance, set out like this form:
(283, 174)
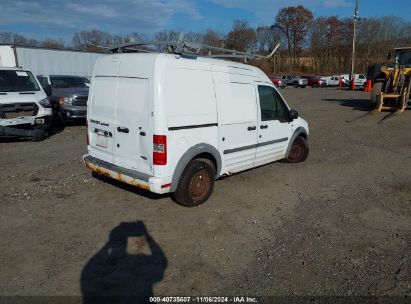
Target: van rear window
(61, 82)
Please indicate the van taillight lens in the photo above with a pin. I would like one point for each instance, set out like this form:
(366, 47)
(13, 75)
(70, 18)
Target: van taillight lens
(160, 150)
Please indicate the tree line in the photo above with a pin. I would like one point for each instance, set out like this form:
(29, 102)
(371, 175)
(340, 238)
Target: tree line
(308, 45)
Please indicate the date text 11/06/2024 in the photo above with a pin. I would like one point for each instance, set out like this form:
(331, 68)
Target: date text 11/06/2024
(203, 300)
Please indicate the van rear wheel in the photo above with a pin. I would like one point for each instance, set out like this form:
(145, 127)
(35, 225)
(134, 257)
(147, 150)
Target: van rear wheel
(299, 151)
(196, 183)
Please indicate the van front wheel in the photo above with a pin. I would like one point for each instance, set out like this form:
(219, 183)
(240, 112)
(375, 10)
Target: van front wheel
(299, 151)
(196, 183)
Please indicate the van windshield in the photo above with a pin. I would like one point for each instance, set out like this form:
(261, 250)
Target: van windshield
(17, 81)
(61, 82)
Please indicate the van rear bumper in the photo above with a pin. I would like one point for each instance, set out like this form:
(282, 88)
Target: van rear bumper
(134, 178)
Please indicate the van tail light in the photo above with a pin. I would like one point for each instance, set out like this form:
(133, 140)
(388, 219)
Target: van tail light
(159, 150)
(87, 137)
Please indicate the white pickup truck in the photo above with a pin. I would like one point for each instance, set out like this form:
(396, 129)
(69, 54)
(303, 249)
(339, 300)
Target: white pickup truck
(333, 81)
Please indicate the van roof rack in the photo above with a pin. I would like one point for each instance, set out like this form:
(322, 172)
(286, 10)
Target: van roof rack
(182, 47)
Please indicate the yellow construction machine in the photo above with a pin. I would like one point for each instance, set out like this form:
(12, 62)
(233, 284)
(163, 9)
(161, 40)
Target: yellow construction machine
(392, 83)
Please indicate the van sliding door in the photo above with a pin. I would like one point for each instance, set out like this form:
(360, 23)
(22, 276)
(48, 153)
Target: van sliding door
(237, 116)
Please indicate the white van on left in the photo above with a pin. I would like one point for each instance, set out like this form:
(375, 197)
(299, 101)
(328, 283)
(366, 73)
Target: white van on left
(25, 111)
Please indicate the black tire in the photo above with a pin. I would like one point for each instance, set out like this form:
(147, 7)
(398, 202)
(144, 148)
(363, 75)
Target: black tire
(302, 87)
(299, 151)
(375, 94)
(196, 183)
(295, 85)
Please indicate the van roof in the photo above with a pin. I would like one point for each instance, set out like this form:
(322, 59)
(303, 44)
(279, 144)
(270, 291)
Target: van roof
(212, 61)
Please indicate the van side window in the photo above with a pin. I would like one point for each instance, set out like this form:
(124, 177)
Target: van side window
(271, 104)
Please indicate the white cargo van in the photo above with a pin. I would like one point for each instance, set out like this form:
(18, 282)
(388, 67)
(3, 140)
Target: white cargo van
(170, 123)
(25, 111)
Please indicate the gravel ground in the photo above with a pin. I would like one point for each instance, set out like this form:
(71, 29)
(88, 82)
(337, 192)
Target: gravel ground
(337, 224)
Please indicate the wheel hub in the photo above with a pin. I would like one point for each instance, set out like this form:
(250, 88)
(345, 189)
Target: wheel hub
(199, 185)
(297, 151)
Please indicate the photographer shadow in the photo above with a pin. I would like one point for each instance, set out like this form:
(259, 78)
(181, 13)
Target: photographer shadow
(125, 269)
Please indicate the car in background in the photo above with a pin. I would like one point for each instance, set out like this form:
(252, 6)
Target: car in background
(69, 95)
(360, 80)
(315, 82)
(294, 81)
(331, 81)
(277, 82)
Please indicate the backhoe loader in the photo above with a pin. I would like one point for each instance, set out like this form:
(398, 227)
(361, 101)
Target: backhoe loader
(392, 83)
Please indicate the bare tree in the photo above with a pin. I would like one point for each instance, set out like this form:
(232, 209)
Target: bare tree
(242, 37)
(12, 38)
(166, 36)
(295, 22)
(91, 40)
(194, 37)
(54, 44)
(136, 36)
(263, 37)
(213, 38)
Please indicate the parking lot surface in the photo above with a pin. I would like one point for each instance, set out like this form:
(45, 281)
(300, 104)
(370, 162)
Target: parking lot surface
(337, 224)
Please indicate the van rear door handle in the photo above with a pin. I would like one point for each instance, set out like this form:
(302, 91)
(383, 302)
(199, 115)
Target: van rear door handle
(123, 129)
(263, 126)
(252, 128)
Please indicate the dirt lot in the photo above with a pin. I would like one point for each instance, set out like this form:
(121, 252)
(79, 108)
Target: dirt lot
(338, 224)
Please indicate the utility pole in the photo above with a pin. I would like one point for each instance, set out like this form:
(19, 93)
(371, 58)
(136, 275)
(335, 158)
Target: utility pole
(354, 37)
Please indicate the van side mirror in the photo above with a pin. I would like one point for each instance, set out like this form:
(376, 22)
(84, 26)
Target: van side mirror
(293, 114)
(47, 89)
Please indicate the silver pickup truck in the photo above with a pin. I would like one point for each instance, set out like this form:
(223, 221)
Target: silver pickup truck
(294, 81)
(69, 95)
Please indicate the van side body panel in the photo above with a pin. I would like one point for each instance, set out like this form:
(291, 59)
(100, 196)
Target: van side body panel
(185, 111)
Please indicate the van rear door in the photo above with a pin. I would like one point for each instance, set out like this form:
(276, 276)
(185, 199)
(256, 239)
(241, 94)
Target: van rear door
(120, 132)
(133, 133)
(101, 118)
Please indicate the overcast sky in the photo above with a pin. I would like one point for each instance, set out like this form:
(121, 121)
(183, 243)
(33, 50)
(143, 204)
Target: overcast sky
(62, 18)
